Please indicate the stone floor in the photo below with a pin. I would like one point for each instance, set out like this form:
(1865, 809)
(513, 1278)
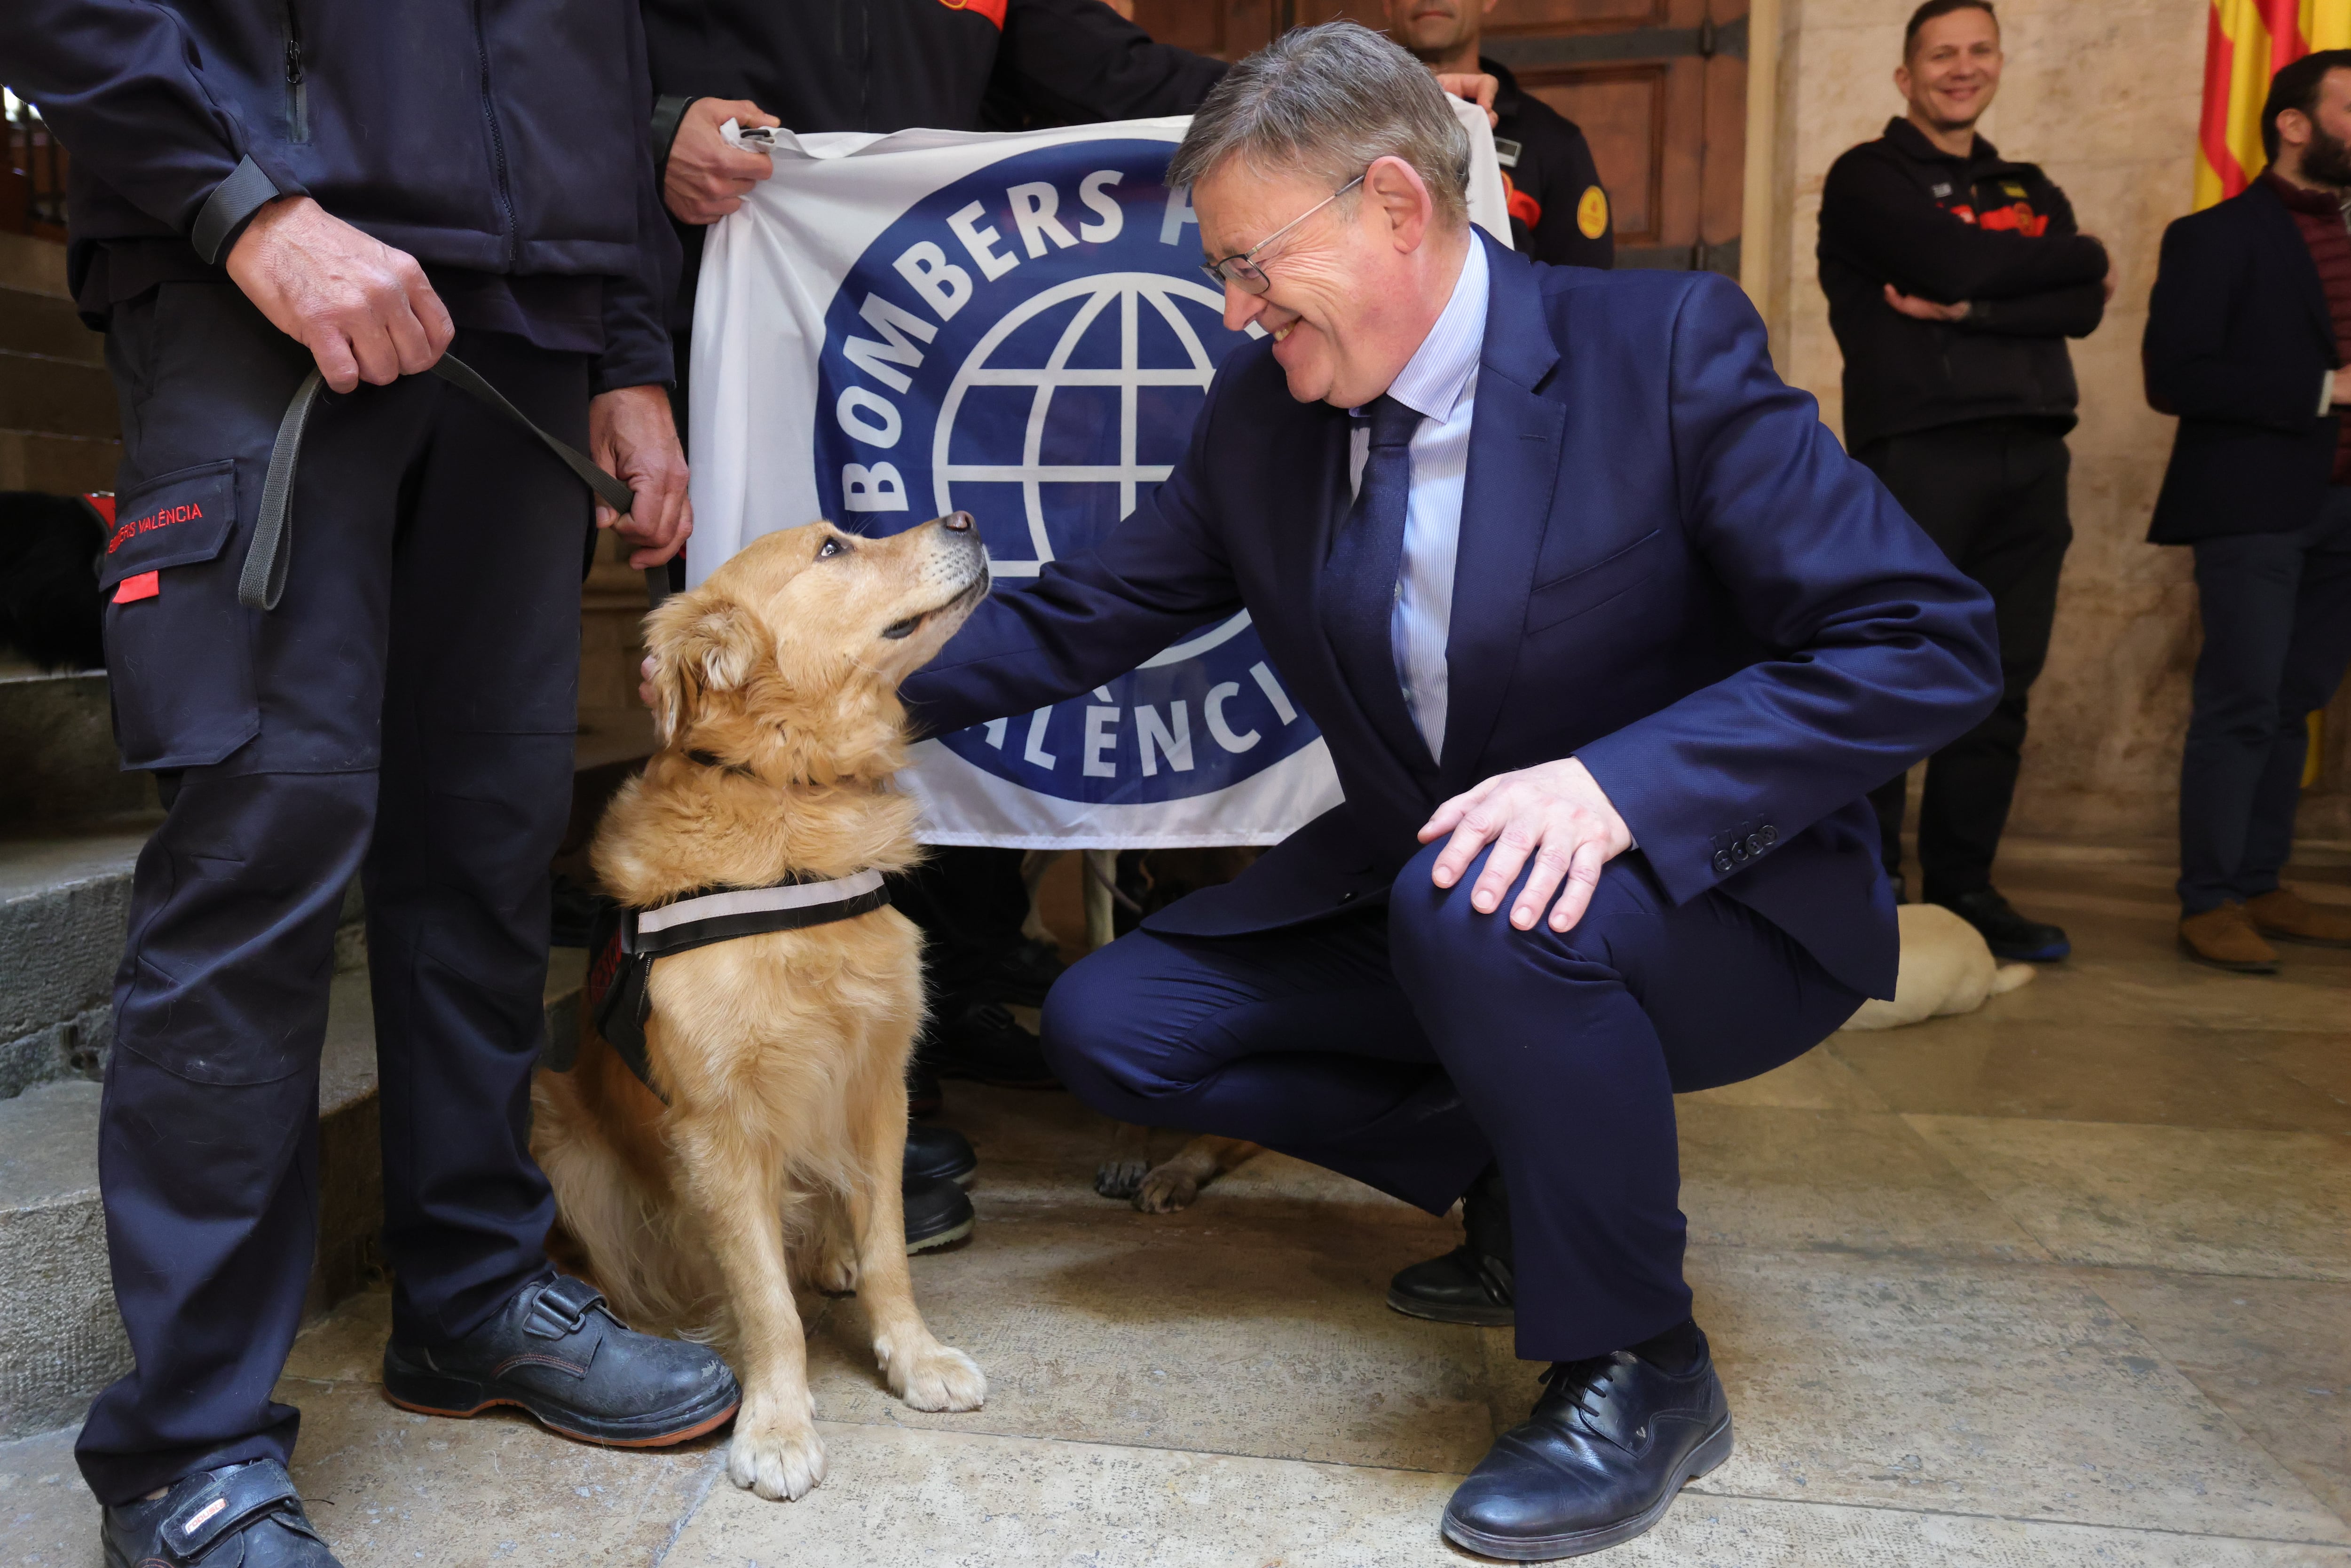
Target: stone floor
(2066, 1281)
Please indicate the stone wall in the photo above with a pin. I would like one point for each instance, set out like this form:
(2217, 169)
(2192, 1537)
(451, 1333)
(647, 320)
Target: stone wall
(2105, 97)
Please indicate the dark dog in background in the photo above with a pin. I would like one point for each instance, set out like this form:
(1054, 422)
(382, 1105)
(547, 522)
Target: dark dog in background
(50, 608)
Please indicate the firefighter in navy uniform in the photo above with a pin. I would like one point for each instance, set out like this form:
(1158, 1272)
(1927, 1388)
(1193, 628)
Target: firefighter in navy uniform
(883, 65)
(257, 205)
(1954, 277)
(1559, 209)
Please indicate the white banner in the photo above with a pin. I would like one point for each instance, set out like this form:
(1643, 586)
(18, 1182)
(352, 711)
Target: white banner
(1014, 326)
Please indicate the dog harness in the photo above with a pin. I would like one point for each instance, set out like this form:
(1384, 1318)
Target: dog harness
(620, 982)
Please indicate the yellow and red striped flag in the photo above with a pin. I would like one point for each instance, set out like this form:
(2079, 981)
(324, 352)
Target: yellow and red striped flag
(2245, 43)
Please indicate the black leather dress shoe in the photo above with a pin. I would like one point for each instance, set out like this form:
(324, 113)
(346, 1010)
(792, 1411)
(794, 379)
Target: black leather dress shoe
(940, 1154)
(558, 1352)
(1609, 1443)
(1472, 1284)
(938, 1214)
(243, 1514)
(1022, 975)
(2008, 934)
(986, 1044)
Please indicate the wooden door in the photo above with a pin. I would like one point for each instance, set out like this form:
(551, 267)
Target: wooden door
(1658, 86)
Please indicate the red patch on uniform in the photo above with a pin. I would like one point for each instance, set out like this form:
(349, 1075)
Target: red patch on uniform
(103, 503)
(1966, 214)
(991, 9)
(2021, 218)
(1520, 206)
(146, 585)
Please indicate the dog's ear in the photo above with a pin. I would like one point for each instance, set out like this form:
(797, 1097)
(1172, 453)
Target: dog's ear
(701, 644)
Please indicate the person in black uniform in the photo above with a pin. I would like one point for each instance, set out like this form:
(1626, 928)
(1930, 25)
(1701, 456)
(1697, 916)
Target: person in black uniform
(256, 204)
(1954, 277)
(848, 64)
(1559, 209)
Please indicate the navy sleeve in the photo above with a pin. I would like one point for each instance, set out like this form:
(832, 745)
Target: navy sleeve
(2195, 366)
(1568, 173)
(636, 331)
(1880, 221)
(122, 83)
(1887, 651)
(1077, 61)
(1161, 573)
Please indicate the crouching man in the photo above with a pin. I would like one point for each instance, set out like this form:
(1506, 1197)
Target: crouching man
(1608, 639)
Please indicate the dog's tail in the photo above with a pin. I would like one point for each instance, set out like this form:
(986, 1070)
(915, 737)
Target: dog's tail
(2007, 977)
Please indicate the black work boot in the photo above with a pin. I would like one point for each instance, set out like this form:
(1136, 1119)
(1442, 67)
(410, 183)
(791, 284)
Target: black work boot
(558, 1352)
(938, 1213)
(243, 1514)
(2009, 934)
(1611, 1442)
(939, 1154)
(1470, 1284)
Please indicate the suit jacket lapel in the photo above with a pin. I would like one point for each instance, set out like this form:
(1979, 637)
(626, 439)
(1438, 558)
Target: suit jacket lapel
(1515, 442)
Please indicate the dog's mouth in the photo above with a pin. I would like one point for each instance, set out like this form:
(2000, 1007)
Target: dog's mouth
(970, 593)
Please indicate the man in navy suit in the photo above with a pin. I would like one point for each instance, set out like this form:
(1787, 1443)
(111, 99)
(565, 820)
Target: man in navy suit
(2247, 335)
(1608, 640)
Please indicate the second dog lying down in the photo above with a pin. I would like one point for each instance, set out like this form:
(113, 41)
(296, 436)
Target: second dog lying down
(773, 1147)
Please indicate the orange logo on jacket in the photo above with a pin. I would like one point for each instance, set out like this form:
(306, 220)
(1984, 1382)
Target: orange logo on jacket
(161, 517)
(991, 9)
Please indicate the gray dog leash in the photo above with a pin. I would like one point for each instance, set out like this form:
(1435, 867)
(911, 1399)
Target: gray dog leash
(263, 581)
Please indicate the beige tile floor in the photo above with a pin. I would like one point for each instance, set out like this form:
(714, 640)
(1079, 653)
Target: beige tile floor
(2066, 1281)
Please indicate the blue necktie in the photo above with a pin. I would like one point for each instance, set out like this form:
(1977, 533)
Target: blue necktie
(1359, 583)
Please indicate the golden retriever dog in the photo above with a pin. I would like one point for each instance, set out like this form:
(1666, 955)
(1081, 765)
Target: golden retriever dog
(1946, 968)
(773, 1152)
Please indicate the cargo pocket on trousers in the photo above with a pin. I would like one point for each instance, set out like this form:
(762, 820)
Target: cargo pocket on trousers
(178, 658)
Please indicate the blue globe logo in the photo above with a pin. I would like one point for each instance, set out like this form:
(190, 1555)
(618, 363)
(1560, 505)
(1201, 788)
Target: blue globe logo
(1032, 344)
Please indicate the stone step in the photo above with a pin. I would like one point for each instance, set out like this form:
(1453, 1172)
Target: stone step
(36, 265)
(37, 323)
(56, 396)
(63, 902)
(60, 1338)
(58, 464)
(57, 732)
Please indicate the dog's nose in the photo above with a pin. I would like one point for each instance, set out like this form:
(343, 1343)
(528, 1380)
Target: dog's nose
(956, 522)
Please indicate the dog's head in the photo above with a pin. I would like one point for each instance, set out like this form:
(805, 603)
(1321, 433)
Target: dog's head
(787, 660)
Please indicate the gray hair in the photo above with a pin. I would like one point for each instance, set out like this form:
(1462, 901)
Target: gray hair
(1330, 102)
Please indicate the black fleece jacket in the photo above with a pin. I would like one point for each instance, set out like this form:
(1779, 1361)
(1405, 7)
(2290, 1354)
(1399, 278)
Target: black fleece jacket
(495, 140)
(1997, 235)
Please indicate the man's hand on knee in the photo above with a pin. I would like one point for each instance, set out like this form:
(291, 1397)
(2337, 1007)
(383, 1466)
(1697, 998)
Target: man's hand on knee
(363, 310)
(1557, 813)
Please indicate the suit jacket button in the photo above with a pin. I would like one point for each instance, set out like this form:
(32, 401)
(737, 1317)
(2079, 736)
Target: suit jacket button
(1770, 835)
(1723, 860)
(1755, 843)
(1738, 849)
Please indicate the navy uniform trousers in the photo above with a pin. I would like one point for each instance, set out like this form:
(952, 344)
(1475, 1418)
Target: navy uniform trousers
(1407, 1046)
(406, 714)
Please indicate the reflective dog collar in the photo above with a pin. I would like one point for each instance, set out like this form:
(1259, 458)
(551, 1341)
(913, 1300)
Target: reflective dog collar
(705, 918)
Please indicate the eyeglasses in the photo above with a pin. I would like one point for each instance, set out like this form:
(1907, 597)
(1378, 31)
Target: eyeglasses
(1245, 274)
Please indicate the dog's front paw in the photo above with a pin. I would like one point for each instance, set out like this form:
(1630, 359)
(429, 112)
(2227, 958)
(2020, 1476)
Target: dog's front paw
(1166, 1190)
(937, 1377)
(833, 1269)
(780, 1460)
(1119, 1176)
